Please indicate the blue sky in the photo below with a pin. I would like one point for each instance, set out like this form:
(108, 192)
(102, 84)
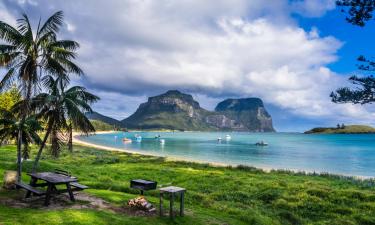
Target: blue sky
(357, 40)
(291, 54)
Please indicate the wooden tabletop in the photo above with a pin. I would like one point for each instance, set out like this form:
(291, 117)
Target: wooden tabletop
(52, 177)
(172, 189)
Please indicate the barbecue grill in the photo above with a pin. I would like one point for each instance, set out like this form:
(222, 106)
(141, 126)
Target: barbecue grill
(143, 185)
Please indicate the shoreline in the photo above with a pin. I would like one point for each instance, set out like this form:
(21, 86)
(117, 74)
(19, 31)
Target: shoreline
(216, 164)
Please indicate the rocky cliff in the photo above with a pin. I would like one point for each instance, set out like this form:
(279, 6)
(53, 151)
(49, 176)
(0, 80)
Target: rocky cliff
(179, 111)
(249, 114)
(171, 110)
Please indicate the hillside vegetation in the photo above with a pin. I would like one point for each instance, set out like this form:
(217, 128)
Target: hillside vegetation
(215, 195)
(351, 129)
(101, 126)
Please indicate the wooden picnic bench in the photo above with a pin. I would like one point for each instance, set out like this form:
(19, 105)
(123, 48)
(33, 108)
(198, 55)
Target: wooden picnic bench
(29, 188)
(51, 180)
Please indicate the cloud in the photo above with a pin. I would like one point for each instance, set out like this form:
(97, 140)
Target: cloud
(213, 49)
(312, 8)
(6, 16)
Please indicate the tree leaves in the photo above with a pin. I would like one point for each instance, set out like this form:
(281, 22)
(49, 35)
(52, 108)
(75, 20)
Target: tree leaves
(360, 11)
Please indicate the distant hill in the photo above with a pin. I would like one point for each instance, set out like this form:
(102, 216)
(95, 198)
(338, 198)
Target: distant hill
(99, 117)
(351, 129)
(248, 113)
(179, 111)
(101, 126)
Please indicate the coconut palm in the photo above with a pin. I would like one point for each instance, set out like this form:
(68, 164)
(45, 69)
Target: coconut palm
(24, 131)
(61, 108)
(28, 55)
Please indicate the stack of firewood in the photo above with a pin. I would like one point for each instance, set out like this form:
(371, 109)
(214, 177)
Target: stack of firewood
(141, 203)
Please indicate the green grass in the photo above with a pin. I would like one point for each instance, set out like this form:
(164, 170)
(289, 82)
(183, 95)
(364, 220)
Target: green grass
(215, 195)
(351, 129)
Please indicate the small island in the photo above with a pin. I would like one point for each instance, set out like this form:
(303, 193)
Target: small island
(350, 129)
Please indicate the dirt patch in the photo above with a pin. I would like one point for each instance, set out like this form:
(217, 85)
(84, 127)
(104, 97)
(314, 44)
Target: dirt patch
(83, 201)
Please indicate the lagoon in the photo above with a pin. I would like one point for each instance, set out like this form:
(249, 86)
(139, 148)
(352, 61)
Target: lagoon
(346, 154)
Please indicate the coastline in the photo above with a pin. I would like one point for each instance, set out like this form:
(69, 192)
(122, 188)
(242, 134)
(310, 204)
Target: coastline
(168, 158)
(215, 164)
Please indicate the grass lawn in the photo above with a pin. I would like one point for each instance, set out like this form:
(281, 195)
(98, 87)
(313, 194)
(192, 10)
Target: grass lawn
(215, 195)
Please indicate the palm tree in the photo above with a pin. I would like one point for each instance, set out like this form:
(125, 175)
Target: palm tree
(59, 106)
(12, 127)
(27, 55)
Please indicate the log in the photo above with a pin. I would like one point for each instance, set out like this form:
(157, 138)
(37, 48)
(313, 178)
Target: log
(10, 179)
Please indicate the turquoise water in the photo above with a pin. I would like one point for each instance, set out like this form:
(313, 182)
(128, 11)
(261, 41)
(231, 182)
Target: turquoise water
(350, 154)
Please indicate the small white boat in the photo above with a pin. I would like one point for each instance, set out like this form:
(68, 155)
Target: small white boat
(162, 141)
(261, 143)
(138, 138)
(127, 140)
(228, 137)
(219, 139)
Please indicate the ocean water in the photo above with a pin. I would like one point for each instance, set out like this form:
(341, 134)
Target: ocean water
(348, 154)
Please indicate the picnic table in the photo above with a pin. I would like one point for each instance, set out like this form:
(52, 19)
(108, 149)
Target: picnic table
(51, 180)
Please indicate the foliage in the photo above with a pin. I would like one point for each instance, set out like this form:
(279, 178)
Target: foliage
(28, 55)
(101, 126)
(362, 94)
(9, 98)
(360, 11)
(215, 195)
(11, 126)
(352, 129)
(58, 106)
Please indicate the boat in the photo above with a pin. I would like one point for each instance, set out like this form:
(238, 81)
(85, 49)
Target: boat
(162, 141)
(138, 138)
(228, 137)
(261, 143)
(219, 139)
(127, 140)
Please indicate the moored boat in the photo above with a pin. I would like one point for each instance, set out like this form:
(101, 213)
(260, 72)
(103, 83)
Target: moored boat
(127, 140)
(261, 143)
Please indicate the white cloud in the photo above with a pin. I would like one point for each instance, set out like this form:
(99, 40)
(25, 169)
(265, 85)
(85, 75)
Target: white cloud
(214, 48)
(6, 16)
(312, 8)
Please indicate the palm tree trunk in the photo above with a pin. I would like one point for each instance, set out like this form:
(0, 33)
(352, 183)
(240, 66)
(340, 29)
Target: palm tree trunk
(19, 156)
(19, 140)
(70, 140)
(37, 158)
(54, 144)
(26, 151)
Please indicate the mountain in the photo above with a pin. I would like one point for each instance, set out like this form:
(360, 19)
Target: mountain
(178, 111)
(99, 117)
(248, 114)
(172, 110)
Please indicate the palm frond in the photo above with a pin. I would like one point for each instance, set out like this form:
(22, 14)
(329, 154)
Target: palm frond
(7, 58)
(24, 28)
(7, 48)
(9, 34)
(65, 44)
(52, 24)
(7, 79)
(53, 67)
(70, 66)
